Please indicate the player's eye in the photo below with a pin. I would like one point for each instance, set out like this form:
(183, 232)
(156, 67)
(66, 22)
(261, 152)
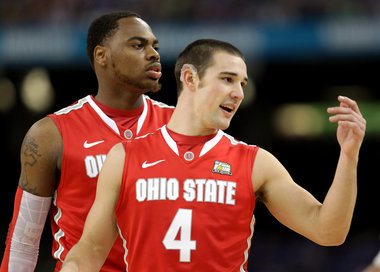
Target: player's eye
(138, 46)
(228, 79)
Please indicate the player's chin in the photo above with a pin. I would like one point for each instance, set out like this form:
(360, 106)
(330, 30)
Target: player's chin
(224, 125)
(155, 87)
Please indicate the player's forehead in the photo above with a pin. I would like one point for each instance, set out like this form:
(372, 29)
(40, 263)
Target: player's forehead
(224, 62)
(134, 27)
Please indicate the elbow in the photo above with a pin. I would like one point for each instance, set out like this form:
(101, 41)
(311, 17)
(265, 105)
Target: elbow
(331, 238)
(331, 242)
(332, 230)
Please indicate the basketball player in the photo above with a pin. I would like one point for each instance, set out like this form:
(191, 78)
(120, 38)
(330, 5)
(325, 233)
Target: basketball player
(183, 198)
(62, 154)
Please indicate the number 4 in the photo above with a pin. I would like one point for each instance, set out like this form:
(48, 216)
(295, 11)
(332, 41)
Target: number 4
(181, 222)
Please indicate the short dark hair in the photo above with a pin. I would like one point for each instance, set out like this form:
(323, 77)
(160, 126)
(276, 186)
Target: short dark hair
(104, 27)
(200, 53)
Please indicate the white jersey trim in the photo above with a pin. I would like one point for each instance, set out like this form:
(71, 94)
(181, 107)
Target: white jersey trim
(125, 247)
(206, 147)
(211, 143)
(249, 241)
(160, 104)
(142, 117)
(144, 114)
(171, 143)
(111, 123)
(59, 234)
(75, 106)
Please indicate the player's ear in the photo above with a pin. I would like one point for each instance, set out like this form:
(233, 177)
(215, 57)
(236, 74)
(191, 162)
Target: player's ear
(100, 55)
(189, 76)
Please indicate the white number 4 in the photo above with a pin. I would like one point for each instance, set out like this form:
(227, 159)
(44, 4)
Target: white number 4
(181, 222)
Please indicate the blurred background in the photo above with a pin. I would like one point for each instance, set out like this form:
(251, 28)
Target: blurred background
(301, 55)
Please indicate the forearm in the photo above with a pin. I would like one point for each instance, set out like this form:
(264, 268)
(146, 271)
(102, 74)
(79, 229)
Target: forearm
(24, 234)
(89, 254)
(83, 257)
(335, 214)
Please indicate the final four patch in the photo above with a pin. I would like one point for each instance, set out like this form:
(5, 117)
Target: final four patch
(222, 168)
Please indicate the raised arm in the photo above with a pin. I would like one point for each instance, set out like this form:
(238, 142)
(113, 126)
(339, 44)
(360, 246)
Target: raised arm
(325, 223)
(40, 157)
(100, 229)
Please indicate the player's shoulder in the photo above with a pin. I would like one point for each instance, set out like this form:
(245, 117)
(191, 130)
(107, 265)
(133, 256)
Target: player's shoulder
(118, 150)
(73, 107)
(235, 142)
(44, 127)
(44, 139)
(158, 104)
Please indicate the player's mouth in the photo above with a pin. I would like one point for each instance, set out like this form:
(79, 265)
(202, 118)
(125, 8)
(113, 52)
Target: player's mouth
(154, 70)
(228, 109)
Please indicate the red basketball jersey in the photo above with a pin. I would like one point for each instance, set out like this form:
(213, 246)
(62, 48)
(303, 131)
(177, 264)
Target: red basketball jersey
(182, 210)
(88, 134)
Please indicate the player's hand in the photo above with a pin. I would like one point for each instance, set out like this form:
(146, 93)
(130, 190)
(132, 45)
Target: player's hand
(351, 125)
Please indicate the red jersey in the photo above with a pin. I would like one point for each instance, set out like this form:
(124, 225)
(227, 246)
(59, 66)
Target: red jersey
(189, 207)
(88, 134)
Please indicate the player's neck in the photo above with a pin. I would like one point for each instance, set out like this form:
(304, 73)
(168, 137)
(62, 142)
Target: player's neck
(120, 101)
(183, 122)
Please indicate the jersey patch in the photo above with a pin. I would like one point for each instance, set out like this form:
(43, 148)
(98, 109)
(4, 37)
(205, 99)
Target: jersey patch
(222, 168)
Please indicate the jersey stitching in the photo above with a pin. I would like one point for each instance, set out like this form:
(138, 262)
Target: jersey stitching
(160, 104)
(76, 106)
(249, 241)
(124, 246)
(60, 233)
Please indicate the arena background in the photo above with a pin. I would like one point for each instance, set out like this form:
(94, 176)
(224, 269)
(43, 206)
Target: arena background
(301, 54)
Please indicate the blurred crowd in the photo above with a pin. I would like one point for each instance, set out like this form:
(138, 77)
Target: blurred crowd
(82, 11)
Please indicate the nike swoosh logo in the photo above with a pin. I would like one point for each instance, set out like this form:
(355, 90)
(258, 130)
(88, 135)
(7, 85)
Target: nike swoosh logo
(146, 164)
(88, 145)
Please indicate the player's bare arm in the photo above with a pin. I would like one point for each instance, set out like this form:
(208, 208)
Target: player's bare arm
(338, 206)
(100, 230)
(289, 203)
(40, 158)
(325, 223)
(40, 155)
